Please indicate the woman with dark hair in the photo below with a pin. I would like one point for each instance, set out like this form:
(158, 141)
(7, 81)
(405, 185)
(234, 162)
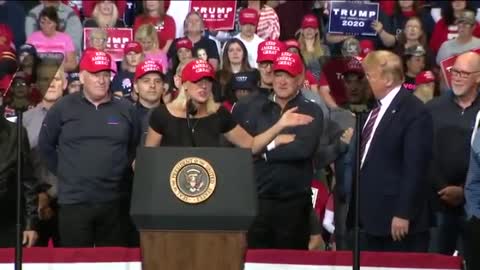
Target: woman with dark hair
(50, 40)
(234, 60)
(414, 34)
(446, 29)
(155, 13)
(405, 9)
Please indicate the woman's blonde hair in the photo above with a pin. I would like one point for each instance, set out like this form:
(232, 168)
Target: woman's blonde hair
(147, 31)
(102, 21)
(180, 102)
(318, 49)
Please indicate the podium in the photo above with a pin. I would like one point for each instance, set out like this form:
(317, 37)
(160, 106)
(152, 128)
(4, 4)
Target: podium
(193, 207)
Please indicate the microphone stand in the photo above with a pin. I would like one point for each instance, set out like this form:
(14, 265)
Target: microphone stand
(356, 181)
(19, 225)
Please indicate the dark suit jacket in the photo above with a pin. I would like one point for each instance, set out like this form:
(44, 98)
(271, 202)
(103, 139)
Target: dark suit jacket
(393, 177)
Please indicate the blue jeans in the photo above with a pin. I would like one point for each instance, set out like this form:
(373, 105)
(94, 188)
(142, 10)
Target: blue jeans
(448, 235)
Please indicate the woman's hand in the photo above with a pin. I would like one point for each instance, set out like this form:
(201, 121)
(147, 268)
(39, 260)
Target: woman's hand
(291, 119)
(284, 139)
(377, 26)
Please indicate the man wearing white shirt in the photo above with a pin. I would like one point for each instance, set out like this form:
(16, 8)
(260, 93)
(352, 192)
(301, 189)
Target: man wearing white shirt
(395, 148)
(248, 20)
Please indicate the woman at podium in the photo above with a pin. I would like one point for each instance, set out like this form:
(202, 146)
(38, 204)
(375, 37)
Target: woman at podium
(193, 119)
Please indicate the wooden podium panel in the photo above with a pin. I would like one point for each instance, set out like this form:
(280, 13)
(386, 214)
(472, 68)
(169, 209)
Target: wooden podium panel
(193, 250)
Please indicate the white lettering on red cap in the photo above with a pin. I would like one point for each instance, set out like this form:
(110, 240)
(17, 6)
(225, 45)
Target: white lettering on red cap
(101, 62)
(249, 15)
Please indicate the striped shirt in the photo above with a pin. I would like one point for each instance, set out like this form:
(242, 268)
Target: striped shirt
(268, 24)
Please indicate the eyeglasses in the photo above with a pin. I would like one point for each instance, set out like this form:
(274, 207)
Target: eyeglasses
(462, 74)
(265, 64)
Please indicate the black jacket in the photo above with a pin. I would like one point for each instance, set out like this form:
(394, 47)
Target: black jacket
(8, 161)
(287, 170)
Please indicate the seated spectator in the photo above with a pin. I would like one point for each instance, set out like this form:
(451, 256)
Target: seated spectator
(234, 60)
(241, 85)
(68, 22)
(406, 9)
(27, 60)
(194, 29)
(88, 6)
(122, 84)
(6, 36)
(154, 13)
(184, 50)
(446, 28)
(414, 34)
(98, 40)
(104, 15)
(13, 15)
(414, 63)
(73, 83)
(268, 27)
(147, 36)
(385, 37)
(248, 20)
(50, 40)
(465, 40)
(311, 47)
(425, 86)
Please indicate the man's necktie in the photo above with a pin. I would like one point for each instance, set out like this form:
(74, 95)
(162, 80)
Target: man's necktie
(368, 129)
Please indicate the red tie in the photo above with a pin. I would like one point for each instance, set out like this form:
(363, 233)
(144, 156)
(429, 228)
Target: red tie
(368, 129)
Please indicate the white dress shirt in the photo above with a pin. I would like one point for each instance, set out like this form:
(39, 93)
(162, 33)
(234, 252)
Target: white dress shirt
(385, 101)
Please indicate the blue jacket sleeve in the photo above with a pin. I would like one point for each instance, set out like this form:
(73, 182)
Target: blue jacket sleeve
(417, 153)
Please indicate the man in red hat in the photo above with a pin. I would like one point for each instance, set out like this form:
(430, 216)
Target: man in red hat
(248, 20)
(149, 83)
(284, 170)
(88, 140)
(184, 50)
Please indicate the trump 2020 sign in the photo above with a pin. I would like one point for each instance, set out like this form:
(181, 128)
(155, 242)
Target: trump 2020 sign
(352, 18)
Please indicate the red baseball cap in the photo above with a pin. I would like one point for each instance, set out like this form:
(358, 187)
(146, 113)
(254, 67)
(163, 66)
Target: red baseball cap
(309, 21)
(354, 65)
(289, 62)
(248, 16)
(424, 77)
(292, 43)
(366, 46)
(196, 70)
(147, 66)
(184, 43)
(95, 61)
(132, 46)
(268, 50)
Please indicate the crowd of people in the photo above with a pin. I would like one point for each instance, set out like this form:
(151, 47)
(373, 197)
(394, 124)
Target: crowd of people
(277, 83)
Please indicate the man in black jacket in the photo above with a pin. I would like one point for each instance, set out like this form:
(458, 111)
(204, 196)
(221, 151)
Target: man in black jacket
(285, 169)
(8, 163)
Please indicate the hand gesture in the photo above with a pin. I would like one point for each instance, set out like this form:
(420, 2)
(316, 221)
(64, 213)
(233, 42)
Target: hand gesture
(29, 238)
(377, 26)
(399, 228)
(45, 212)
(284, 139)
(347, 136)
(291, 119)
(452, 195)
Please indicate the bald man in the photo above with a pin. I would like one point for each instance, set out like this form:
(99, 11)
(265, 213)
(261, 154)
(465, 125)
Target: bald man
(453, 117)
(395, 151)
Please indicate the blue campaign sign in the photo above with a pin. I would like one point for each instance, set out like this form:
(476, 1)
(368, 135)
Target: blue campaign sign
(352, 18)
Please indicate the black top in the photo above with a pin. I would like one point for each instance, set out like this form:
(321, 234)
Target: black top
(203, 132)
(287, 170)
(90, 148)
(453, 127)
(123, 82)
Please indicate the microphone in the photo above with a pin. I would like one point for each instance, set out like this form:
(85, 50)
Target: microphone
(191, 111)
